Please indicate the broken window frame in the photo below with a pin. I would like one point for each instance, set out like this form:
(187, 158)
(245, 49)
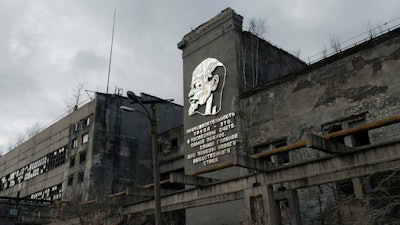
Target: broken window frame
(277, 159)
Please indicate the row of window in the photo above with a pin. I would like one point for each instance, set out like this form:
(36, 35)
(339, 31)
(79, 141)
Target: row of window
(80, 178)
(84, 123)
(358, 139)
(48, 162)
(277, 159)
(84, 140)
(82, 159)
(50, 193)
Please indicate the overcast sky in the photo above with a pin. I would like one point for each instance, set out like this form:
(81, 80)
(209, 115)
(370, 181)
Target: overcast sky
(49, 47)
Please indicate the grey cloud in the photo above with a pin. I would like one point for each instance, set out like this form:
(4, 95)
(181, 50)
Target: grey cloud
(44, 42)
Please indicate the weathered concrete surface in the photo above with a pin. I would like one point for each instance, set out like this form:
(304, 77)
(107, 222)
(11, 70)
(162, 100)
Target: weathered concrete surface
(331, 91)
(364, 161)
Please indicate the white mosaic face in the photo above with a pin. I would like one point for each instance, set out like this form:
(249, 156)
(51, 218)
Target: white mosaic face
(202, 87)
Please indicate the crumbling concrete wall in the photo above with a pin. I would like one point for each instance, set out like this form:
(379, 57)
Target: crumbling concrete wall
(360, 83)
(365, 82)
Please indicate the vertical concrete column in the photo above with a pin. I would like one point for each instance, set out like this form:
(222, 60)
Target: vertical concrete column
(294, 209)
(247, 212)
(266, 197)
(264, 209)
(358, 189)
(279, 199)
(274, 217)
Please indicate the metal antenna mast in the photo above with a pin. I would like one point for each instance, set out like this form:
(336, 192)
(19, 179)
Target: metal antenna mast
(112, 41)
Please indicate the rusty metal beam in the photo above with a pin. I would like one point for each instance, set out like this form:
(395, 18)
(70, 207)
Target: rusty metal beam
(367, 126)
(342, 133)
(88, 202)
(118, 194)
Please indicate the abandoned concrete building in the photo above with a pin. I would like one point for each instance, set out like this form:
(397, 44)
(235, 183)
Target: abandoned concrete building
(95, 151)
(265, 139)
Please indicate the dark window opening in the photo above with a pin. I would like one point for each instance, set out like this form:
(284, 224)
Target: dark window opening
(81, 176)
(263, 148)
(174, 143)
(277, 159)
(344, 189)
(82, 157)
(360, 138)
(160, 147)
(70, 180)
(72, 162)
(336, 128)
(283, 211)
(283, 157)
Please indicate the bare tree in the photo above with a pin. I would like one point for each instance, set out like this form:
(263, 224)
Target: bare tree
(72, 102)
(379, 204)
(20, 139)
(33, 130)
(370, 30)
(335, 43)
(297, 53)
(258, 29)
(324, 51)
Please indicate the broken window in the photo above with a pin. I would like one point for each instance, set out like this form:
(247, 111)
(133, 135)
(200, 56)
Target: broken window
(72, 161)
(86, 122)
(74, 143)
(335, 128)
(278, 159)
(76, 126)
(81, 176)
(360, 138)
(82, 157)
(344, 189)
(85, 138)
(174, 143)
(70, 180)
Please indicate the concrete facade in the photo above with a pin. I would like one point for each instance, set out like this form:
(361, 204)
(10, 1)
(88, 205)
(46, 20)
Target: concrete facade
(280, 106)
(244, 61)
(91, 153)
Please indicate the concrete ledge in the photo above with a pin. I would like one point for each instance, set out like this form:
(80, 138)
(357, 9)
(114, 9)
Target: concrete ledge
(326, 145)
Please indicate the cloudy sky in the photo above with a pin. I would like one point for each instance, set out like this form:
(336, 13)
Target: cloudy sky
(49, 47)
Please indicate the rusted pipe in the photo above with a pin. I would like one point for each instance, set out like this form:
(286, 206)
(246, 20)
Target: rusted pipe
(367, 126)
(299, 144)
(88, 202)
(342, 133)
(118, 194)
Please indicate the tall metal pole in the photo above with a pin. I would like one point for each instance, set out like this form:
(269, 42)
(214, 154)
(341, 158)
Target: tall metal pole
(111, 49)
(154, 148)
(156, 167)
